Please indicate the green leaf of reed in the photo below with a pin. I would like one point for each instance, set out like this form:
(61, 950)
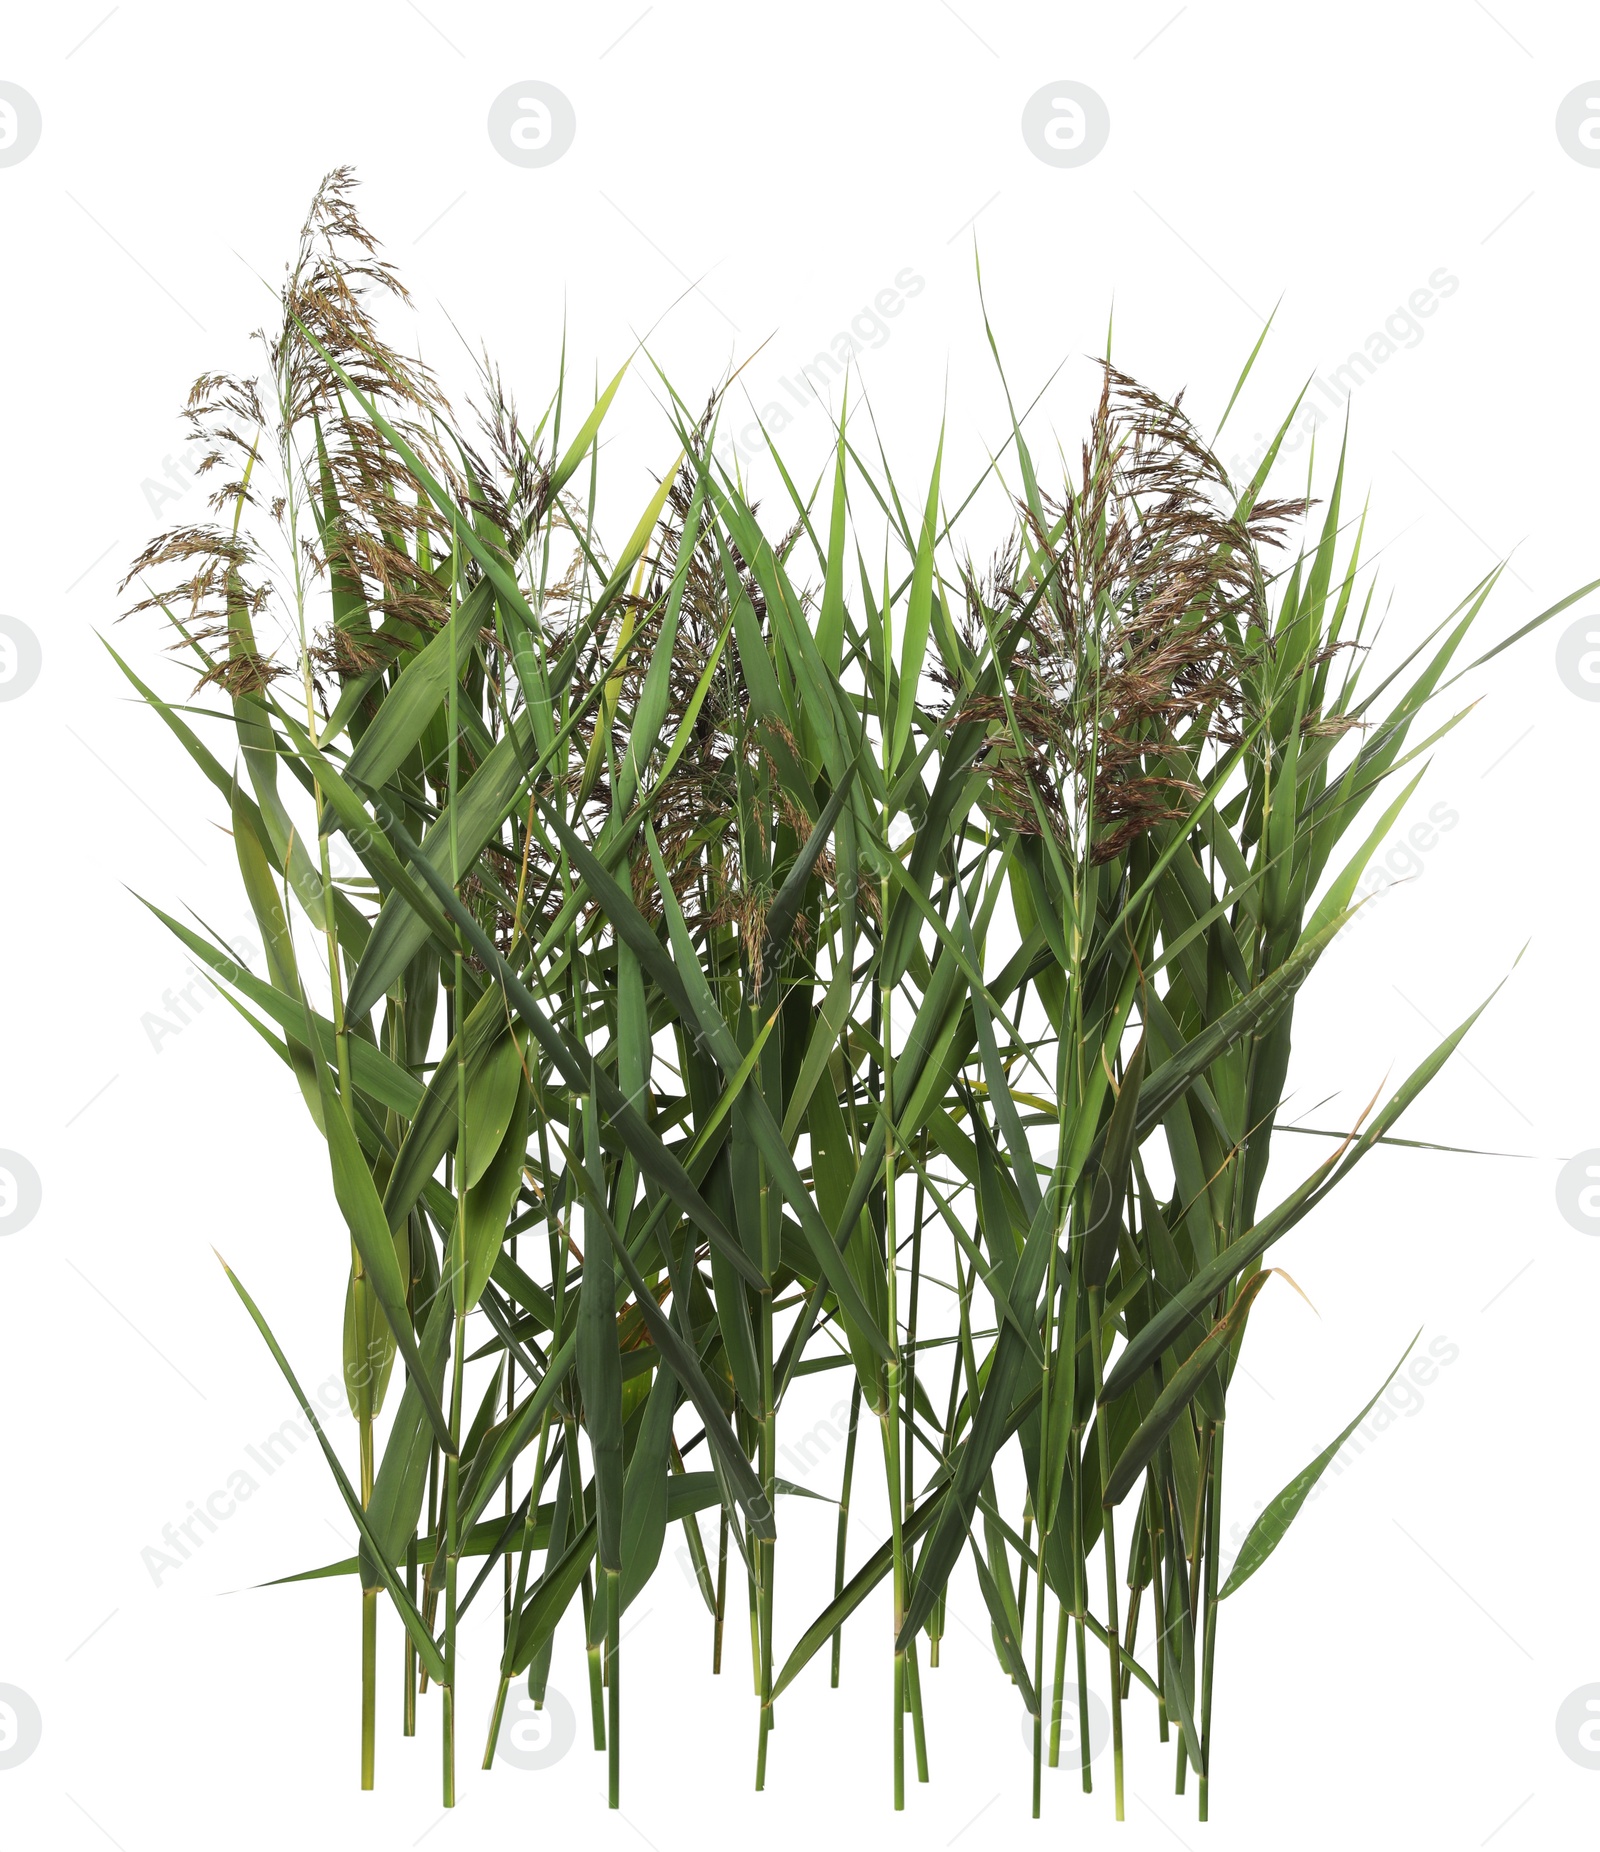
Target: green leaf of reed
(1273, 1523)
(412, 1620)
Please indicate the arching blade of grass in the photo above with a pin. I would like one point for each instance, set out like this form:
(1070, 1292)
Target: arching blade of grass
(1179, 1311)
(421, 1638)
(1272, 1525)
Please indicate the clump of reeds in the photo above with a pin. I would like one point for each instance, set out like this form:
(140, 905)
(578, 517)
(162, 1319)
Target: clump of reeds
(663, 1044)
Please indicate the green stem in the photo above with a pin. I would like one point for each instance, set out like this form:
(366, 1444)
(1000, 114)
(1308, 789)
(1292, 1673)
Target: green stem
(1057, 1682)
(753, 1591)
(844, 1519)
(1213, 1544)
(1079, 1601)
(768, 1461)
(1083, 1703)
(1131, 1635)
(500, 1696)
(369, 1683)
(430, 1583)
(891, 1412)
(614, 1676)
(409, 1714)
(515, 1600)
(1158, 1570)
(452, 1497)
(1108, 1541)
(914, 1692)
(457, 1256)
(722, 1592)
(1046, 1520)
(597, 1689)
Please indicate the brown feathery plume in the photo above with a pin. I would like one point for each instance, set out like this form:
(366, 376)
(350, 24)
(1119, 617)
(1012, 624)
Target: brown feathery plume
(298, 438)
(1127, 640)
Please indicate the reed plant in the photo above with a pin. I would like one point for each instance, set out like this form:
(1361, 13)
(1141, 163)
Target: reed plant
(775, 952)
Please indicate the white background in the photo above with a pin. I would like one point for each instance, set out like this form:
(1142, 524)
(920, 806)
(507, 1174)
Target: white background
(1397, 1669)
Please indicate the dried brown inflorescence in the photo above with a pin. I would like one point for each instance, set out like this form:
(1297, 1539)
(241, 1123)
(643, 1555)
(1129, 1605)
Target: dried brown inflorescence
(695, 810)
(337, 497)
(1127, 632)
